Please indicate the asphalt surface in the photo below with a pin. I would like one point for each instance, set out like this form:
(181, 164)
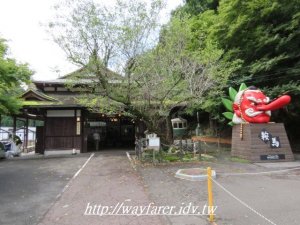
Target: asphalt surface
(254, 194)
(274, 196)
(107, 180)
(28, 187)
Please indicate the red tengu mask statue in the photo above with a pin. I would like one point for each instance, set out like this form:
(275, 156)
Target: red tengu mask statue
(253, 106)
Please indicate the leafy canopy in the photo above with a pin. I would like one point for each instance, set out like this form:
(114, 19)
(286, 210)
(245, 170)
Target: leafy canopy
(12, 76)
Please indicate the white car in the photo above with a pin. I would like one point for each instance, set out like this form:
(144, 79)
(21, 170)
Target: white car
(11, 149)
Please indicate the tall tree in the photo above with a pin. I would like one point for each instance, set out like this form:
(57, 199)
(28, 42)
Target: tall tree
(211, 56)
(152, 79)
(196, 7)
(264, 34)
(172, 75)
(12, 76)
(98, 37)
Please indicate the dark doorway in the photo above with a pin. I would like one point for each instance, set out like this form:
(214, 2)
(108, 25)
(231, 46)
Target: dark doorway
(40, 146)
(115, 133)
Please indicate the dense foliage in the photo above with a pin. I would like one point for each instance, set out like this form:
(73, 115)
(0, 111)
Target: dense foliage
(153, 76)
(262, 37)
(12, 76)
(207, 47)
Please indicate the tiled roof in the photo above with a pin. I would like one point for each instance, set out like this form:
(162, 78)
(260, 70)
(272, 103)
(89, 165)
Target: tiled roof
(64, 98)
(33, 98)
(81, 76)
(38, 95)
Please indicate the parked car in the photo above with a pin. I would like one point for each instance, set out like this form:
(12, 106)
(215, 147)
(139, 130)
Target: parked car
(12, 146)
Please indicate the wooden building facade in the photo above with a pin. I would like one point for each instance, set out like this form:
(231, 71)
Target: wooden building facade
(69, 126)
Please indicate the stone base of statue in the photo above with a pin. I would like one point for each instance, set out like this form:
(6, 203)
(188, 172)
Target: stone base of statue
(266, 142)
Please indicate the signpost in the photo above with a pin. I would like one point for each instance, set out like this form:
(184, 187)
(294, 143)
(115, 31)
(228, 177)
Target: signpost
(210, 195)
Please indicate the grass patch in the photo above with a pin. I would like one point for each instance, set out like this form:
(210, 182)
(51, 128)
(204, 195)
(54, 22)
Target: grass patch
(208, 158)
(163, 157)
(239, 160)
(171, 158)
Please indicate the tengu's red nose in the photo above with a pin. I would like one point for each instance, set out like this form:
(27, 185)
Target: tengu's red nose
(276, 104)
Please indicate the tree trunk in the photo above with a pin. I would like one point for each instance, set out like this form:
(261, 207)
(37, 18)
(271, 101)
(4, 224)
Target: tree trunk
(169, 130)
(211, 125)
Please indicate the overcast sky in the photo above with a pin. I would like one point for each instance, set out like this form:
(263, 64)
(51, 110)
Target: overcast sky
(20, 24)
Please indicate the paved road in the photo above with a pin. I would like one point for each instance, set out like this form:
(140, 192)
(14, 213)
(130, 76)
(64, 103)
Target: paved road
(106, 180)
(276, 196)
(28, 187)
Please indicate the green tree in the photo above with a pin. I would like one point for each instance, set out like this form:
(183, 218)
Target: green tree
(264, 34)
(12, 76)
(171, 74)
(201, 26)
(102, 39)
(96, 37)
(196, 7)
(152, 78)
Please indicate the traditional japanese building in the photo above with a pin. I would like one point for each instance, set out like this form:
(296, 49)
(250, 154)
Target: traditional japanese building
(69, 125)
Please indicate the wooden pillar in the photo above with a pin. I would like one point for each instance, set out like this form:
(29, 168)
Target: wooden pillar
(26, 134)
(14, 125)
(0, 126)
(120, 135)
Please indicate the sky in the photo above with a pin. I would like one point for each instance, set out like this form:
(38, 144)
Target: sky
(21, 25)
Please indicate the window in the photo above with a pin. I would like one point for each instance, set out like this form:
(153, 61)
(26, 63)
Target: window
(175, 125)
(180, 125)
(61, 89)
(49, 88)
